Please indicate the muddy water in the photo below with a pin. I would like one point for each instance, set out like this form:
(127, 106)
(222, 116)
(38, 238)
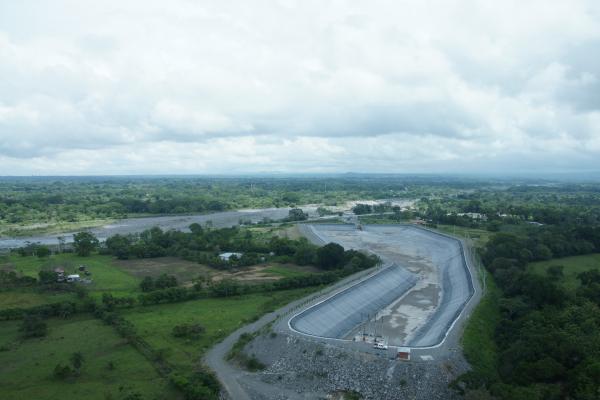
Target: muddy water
(179, 222)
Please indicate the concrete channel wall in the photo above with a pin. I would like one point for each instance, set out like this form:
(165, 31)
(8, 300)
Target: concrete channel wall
(399, 246)
(339, 314)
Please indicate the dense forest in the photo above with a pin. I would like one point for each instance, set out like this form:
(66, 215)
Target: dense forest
(73, 199)
(547, 337)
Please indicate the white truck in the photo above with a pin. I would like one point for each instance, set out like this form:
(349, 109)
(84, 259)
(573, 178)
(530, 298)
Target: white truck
(380, 346)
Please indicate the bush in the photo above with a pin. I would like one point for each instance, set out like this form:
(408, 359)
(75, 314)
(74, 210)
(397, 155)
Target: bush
(33, 326)
(47, 277)
(62, 372)
(147, 284)
(330, 256)
(189, 331)
(253, 364)
(84, 243)
(43, 251)
(200, 385)
(77, 360)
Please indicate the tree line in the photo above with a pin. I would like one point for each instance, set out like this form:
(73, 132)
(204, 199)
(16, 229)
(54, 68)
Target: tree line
(547, 337)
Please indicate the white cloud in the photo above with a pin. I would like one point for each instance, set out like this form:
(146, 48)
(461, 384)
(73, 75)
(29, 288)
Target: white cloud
(262, 86)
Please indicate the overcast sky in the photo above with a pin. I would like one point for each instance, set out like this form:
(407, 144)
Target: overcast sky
(156, 87)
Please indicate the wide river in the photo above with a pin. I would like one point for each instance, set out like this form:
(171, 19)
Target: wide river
(178, 222)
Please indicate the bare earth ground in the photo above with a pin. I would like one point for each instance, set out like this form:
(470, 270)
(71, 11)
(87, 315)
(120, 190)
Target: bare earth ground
(187, 271)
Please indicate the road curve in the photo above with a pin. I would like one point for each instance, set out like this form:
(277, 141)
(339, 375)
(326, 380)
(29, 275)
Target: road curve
(229, 375)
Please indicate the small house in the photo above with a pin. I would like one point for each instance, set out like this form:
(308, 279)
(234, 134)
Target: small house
(73, 278)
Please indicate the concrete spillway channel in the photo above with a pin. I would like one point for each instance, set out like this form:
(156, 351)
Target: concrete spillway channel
(414, 301)
(337, 316)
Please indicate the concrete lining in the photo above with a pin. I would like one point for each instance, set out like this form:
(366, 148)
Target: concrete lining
(422, 313)
(339, 314)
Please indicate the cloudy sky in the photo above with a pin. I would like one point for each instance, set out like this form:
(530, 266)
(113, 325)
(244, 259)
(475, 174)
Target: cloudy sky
(187, 86)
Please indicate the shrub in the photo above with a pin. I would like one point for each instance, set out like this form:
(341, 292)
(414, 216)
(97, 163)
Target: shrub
(77, 360)
(200, 385)
(62, 371)
(33, 326)
(189, 331)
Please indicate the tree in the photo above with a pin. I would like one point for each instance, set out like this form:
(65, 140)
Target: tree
(542, 252)
(147, 284)
(84, 243)
(305, 254)
(61, 243)
(296, 214)
(119, 246)
(43, 251)
(362, 209)
(46, 277)
(330, 256)
(589, 277)
(165, 281)
(108, 301)
(196, 228)
(62, 371)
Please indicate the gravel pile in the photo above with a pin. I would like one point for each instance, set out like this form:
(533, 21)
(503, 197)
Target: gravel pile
(299, 369)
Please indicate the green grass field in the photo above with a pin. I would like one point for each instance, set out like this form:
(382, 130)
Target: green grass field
(117, 276)
(572, 267)
(219, 316)
(105, 275)
(288, 271)
(480, 236)
(25, 298)
(26, 366)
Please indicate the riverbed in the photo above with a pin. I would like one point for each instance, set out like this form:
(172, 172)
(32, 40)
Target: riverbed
(177, 222)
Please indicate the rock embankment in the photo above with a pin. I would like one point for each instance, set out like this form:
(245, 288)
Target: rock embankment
(301, 369)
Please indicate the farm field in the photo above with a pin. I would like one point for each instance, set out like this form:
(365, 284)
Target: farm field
(25, 298)
(219, 317)
(26, 365)
(572, 267)
(106, 277)
(122, 277)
